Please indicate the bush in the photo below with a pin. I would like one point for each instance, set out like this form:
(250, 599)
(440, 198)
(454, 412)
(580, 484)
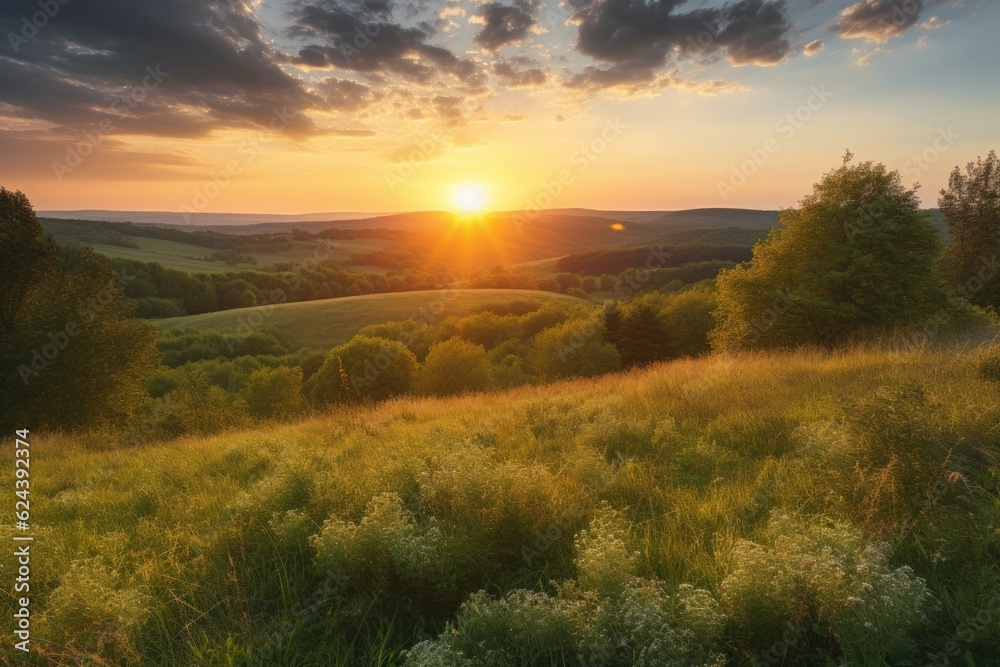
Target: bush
(273, 392)
(89, 606)
(610, 617)
(452, 367)
(574, 349)
(825, 578)
(198, 406)
(390, 548)
(895, 450)
(374, 368)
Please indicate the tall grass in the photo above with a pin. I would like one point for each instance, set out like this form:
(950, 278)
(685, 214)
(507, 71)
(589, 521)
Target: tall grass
(706, 506)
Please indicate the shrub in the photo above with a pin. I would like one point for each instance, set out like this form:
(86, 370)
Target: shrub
(989, 365)
(828, 578)
(574, 349)
(894, 449)
(273, 392)
(374, 368)
(452, 367)
(390, 548)
(198, 406)
(89, 612)
(610, 617)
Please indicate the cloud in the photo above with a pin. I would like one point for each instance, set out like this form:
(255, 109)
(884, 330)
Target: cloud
(342, 132)
(505, 24)
(218, 71)
(514, 117)
(345, 95)
(877, 21)
(520, 72)
(449, 109)
(813, 47)
(866, 59)
(362, 36)
(934, 22)
(636, 39)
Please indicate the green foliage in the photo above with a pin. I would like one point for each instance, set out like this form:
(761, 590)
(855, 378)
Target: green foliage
(75, 357)
(826, 579)
(92, 613)
(375, 368)
(152, 307)
(183, 345)
(576, 348)
(637, 331)
(453, 367)
(25, 255)
(197, 406)
(352, 537)
(608, 616)
(971, 209)
(273, 392)
(688, 317)
(858, 255)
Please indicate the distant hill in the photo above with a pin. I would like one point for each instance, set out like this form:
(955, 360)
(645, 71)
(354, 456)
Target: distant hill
(326, 323)
(173, 218)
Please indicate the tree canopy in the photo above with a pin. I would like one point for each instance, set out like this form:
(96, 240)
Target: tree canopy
(971, 208)
(858, 255)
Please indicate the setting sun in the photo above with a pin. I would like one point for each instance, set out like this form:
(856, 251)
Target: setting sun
(469, 197)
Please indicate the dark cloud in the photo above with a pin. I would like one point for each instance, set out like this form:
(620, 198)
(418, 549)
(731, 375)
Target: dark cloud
(877, 21)
(636, 38)
(359, 36)
(519, 72)
(449, 108)
(346, 95)
(217, 69)
(505, 24)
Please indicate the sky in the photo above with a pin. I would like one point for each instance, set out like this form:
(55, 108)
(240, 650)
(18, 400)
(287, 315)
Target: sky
(299, 106)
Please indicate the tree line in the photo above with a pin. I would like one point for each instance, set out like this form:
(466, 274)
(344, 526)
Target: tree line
(856, 259)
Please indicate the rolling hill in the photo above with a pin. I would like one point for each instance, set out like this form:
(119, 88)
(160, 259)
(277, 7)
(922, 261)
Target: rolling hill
(722, 498)
(194, 258)
(329, 322)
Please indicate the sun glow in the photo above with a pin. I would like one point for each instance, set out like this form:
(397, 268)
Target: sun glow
(469, 197)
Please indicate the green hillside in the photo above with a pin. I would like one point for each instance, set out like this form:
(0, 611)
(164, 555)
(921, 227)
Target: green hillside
(801, 509)
(329, 322)
(194, 258)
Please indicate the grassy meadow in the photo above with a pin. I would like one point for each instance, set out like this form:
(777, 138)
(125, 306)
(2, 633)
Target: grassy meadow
(764, 508)
(328, 322)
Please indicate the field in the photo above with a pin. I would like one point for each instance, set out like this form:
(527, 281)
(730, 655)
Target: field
(788, 489)
(192, 258)
(329, 322)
